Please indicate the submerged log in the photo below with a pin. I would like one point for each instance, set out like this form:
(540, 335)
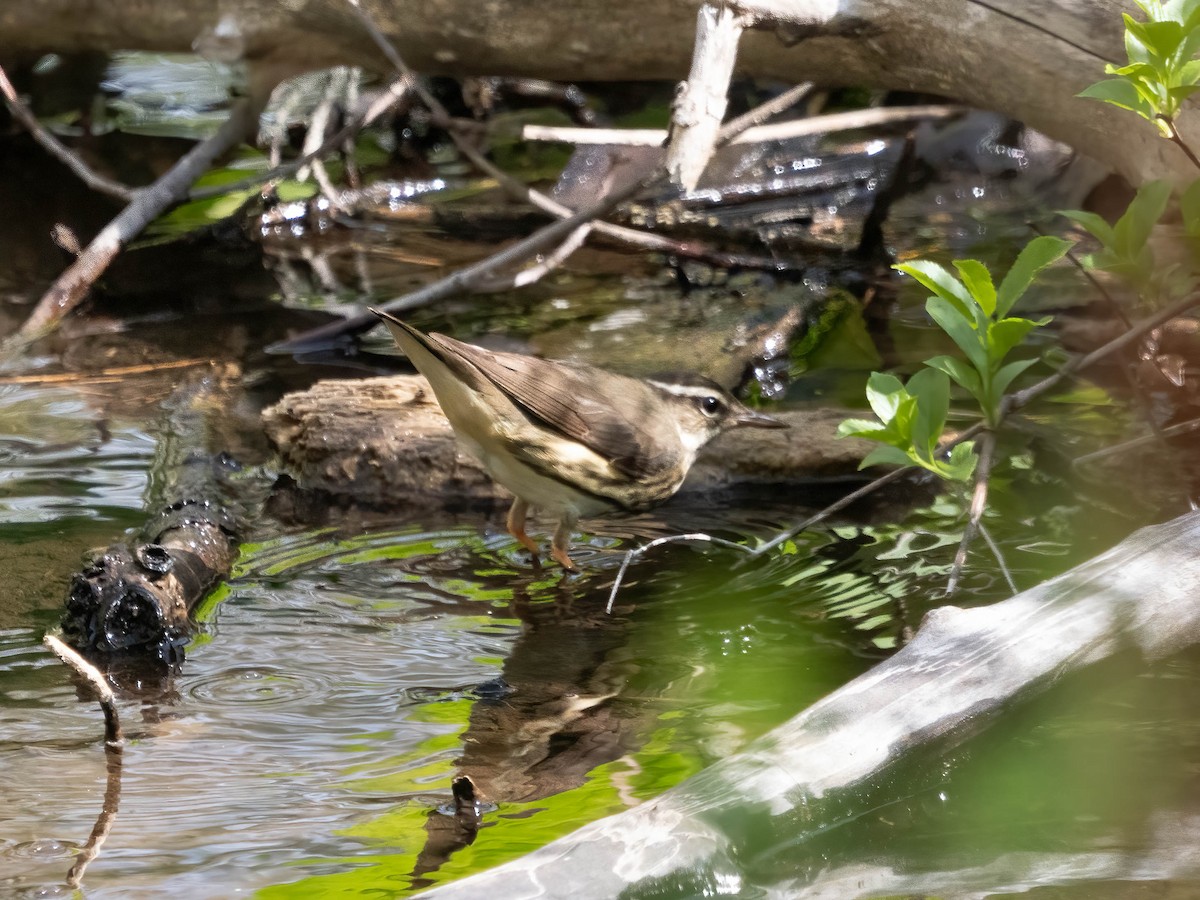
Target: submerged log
(963, 667)
(135, 601)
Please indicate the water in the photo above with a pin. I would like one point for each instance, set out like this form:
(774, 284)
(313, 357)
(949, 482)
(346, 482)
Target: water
(347, 672)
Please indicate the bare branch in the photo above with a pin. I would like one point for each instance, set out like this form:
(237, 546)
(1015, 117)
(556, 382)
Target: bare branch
(658, 542)
(700, 102)
(983, 471)
(996, 552)
(57, 148)
(72, 286)
(779, 131)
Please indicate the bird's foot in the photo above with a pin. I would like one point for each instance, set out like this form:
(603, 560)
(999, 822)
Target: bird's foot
(560, 554)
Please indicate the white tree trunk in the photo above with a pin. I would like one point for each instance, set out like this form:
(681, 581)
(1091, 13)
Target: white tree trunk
(963, 667)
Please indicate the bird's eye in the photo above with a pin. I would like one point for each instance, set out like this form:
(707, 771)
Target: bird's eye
(710, 406)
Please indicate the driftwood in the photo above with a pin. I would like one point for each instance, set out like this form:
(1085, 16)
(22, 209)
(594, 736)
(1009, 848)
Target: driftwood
(963, 667)
(134, 602)
(384, 442)
(1024, 58)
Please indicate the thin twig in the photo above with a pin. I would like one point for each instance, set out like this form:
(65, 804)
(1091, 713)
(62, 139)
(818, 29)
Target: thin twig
(983, 471)
(1144, 404)
(57, 148)
(658, 542)
(105, 697)
(996, 552)
(1178, 141)
(114, 743)
(114, 764)
(837, 506)
(1172, 431)
(1023, 397)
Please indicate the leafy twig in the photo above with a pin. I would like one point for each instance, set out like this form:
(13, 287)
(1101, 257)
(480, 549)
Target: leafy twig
(1012, 403)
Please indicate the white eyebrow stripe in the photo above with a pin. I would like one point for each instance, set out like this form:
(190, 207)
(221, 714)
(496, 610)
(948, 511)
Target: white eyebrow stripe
(696, 391)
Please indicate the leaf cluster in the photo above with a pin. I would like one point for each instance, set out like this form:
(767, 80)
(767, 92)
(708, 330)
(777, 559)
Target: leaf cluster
(974, 312)
(1160, 73)
(1125, 249)
(911, 420)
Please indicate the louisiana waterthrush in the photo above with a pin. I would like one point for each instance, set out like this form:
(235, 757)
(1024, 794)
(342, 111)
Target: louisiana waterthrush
(571, 439)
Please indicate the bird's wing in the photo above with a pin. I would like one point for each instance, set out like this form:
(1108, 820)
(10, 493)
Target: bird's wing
(564, 398)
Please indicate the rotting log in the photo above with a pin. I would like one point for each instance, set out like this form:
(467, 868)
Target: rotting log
(963, 667)
(134, 602)
(1024, 58)
(384, 442)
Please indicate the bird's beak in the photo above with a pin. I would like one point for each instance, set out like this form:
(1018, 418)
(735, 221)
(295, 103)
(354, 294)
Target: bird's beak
(748, 418)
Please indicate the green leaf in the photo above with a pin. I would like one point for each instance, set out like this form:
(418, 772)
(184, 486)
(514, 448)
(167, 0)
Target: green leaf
(863, 428)
(1004, 377)
(960, 464)
(978, 281)
(1035, 256)
(931, 388)
(960, 372)
(1006, 334)
(885, 455)
(1180, 94)
(1121, 93)
(937, 281)
(1095, 225)
(1133, 228)
(1189, 207)
(961, 331)
(1190, 70)
(1186, 12)
(1135, 47)
(884, 393)
(1162, 39)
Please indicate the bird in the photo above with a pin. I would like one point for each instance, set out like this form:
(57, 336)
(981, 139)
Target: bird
(571, 439)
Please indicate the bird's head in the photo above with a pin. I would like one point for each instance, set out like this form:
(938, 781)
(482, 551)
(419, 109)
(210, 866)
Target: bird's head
(702, 409)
